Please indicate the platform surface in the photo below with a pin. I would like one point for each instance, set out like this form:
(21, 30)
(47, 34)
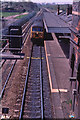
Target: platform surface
(59, 72)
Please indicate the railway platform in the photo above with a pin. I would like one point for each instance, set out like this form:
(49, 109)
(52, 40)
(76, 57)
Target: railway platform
(59, 72)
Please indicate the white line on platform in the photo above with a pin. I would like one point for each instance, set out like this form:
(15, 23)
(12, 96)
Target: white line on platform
(59, 90)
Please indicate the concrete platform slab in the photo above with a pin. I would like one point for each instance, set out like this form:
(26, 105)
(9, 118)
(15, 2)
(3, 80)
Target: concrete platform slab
(59, 73)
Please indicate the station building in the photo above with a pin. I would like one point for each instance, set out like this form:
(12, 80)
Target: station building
(75, 35)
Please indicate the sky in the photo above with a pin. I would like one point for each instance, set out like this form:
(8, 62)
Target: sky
(45, 1)
(51, 1)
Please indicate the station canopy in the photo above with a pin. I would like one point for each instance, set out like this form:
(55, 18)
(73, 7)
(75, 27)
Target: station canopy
(54, 24)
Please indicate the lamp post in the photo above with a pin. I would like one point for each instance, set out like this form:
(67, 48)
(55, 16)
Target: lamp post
(72, 115)
(72, 63)
(74, 95)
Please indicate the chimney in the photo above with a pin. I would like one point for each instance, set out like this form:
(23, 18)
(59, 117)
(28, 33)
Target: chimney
(69, 9)
(58, 9)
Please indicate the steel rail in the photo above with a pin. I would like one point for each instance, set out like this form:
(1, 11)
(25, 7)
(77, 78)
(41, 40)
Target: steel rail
(18, 36)
(2, 49)
(12, 48)
(2, 92)
(2, 64)
(25, 87)
(27, 34)
(41, 87)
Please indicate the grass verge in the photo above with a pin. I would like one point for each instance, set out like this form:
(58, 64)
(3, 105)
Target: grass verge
(6, 14)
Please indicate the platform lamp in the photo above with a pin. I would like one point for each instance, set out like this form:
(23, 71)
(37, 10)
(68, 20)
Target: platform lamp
(72, 115)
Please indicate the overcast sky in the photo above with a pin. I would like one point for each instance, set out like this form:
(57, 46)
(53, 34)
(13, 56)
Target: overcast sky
(51, 1)
(45, 1)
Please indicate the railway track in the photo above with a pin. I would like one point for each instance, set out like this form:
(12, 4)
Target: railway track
(2, 63)
(32, 100)
(35, 101)
(8, 68)
(3, 49)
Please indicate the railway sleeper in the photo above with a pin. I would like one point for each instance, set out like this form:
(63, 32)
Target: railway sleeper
(33, 115)
(36, 109)
(33, 91)
(28, 104)
(38, 97)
